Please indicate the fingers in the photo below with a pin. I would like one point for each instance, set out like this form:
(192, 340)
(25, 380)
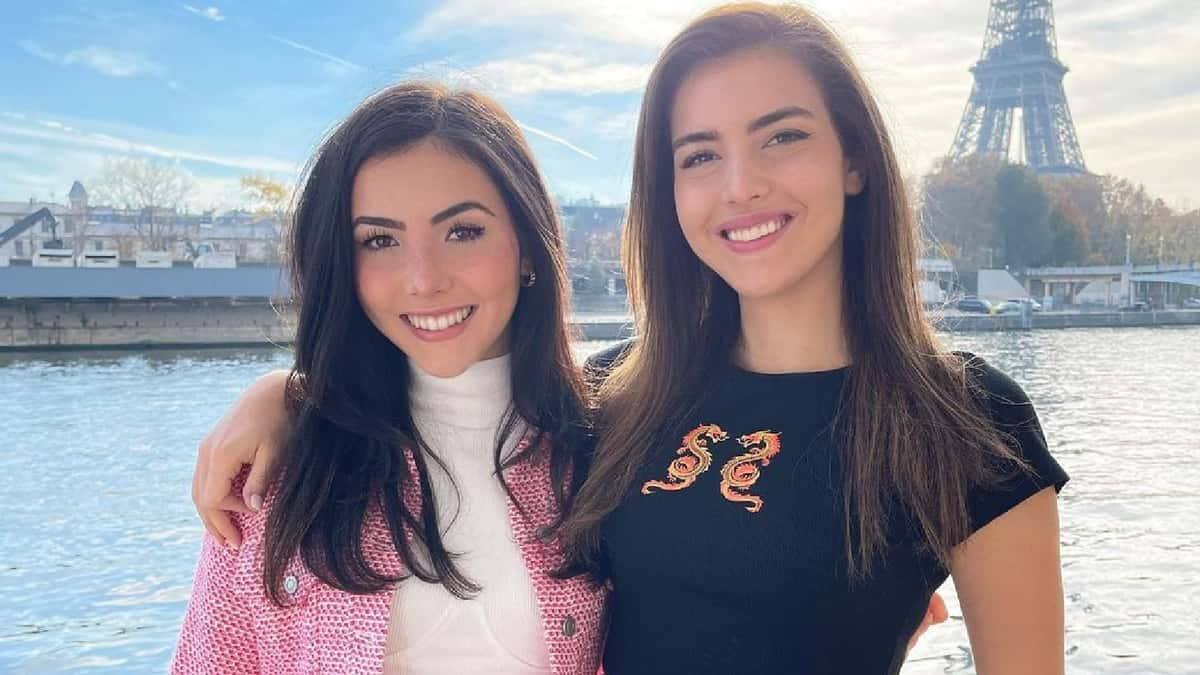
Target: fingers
(925, 624)
(937, 609)
(261, 472)
(211, 496)
(221, 526)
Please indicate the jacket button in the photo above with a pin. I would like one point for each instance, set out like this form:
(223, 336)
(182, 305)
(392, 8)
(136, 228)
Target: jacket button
(291, 584)
(568, 627)
(543, 534)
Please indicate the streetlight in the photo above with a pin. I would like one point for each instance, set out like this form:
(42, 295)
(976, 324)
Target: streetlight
(1128, 271)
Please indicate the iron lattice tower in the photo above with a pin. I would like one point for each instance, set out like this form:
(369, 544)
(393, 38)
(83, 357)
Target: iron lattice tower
(1019, 70)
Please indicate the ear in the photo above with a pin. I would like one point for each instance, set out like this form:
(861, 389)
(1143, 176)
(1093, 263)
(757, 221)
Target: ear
(853, 180)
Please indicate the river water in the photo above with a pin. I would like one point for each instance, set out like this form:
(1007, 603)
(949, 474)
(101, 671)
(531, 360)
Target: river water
(99, 538)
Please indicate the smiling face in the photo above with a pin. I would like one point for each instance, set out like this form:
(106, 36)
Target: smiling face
(437, 259)
(760, 177)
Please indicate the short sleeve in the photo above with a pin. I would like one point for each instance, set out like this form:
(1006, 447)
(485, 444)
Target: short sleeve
(1014, 416)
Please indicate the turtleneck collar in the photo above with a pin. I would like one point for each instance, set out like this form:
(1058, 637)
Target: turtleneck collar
(476, 399)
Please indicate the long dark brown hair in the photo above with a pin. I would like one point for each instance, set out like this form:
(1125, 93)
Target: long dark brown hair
(352, 428)
(913, 433)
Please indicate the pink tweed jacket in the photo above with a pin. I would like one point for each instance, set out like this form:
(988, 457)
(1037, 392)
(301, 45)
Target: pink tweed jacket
(231, 626)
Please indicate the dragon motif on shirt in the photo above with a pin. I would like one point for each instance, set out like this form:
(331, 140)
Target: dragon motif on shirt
(741, 473)
(694, 459)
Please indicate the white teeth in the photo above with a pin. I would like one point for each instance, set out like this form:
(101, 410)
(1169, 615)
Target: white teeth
(436, 323)
(755, 232)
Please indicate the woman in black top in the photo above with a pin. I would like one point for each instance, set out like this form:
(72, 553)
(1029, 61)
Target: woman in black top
(788, 462)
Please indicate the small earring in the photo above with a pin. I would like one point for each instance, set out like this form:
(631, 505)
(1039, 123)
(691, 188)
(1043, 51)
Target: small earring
(528, 280)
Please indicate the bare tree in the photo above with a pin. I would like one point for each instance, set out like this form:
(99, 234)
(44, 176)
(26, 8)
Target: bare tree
(152, 191)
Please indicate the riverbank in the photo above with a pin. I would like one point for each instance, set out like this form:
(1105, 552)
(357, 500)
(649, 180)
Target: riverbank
(167, 323)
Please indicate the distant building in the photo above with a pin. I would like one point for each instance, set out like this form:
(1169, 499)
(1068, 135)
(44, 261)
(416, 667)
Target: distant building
(593, 231)
(251, 237)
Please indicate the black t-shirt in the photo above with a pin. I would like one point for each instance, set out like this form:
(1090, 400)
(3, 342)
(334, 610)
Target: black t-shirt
(739, 567)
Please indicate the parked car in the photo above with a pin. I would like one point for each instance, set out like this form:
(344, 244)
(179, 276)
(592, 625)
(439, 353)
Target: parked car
(1137, 306)
(1034, 305)
(1192, 303)
(973, 304)
(1007, 307)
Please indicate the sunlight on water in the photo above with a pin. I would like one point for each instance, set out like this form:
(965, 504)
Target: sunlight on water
(99, 537)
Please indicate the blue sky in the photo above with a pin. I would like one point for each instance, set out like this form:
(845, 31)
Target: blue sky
(250, 87)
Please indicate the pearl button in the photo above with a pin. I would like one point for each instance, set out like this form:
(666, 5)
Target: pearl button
(291, 584)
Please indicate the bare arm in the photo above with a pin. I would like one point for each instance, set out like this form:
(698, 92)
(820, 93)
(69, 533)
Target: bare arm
(249, 433)
(1009, 583)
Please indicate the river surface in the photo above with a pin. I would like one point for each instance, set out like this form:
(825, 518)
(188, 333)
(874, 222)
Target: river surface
(99, 538)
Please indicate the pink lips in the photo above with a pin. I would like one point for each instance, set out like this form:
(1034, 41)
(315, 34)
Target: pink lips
(439, 335)
(749, 221)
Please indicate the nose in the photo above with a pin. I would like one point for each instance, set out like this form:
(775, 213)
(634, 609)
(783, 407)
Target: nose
(425, 273)
(745, 181)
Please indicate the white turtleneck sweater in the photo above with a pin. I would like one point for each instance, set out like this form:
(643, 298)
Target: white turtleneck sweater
(500, 629)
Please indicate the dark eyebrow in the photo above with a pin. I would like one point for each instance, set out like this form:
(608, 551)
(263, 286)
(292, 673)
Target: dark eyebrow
(459, 208)
(697, 137)
(757, 125)
(437, 218)
(781, 114)
(380, 221)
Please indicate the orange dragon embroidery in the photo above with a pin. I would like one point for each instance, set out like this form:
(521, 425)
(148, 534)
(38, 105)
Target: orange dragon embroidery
(694, 459)
(741, 472)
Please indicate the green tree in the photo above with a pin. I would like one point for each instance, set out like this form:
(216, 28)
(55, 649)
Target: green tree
(955, 205)
(1021, 218)
(1068, 235)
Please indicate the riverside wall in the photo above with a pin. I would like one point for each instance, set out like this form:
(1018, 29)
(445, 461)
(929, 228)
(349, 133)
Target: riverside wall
(33, 324)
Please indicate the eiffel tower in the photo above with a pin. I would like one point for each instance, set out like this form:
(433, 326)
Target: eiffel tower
(1019, 70)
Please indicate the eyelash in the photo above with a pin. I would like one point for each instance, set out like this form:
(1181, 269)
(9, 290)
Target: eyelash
(793, 135)
(786, 137)
(458, 232)
(474, 232)
(370, 241)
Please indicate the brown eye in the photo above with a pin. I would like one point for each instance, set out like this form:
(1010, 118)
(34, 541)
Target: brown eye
(698, 159)
(785, 137)
(463, 232)
(378, 241)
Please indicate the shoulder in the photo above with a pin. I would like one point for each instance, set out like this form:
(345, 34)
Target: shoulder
(1004, 399)
(1016, 421)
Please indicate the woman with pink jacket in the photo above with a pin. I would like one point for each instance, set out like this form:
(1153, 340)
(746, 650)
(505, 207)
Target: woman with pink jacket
(432, 359)
(433, 408)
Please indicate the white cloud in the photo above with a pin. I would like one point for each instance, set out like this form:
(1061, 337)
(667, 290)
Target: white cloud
(210, 13)
(34, 49)
(602, 123)
(632, 22)
(1131, 87)
(112, 62)
(106, 61)
(52, 131)
(561, 72)
(42, 175)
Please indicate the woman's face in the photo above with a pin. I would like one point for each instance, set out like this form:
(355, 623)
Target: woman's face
(760, 178)
(437, 260)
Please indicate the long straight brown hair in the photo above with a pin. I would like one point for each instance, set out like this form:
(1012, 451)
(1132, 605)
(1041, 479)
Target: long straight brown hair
(352, 427)
(913, 431)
